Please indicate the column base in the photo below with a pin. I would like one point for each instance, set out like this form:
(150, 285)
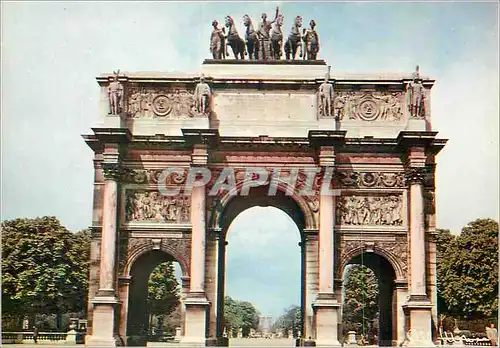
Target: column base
(196, 320)
(420, 332)
(326, 310)
(96, 341)
(103, 323)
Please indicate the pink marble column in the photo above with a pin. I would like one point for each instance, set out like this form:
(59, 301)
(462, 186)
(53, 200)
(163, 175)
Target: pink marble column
(326, 306)
(104, 318)
(418, 306)
(196, 302)
(198, 240)
(417, 235)
(108, 238)
(326, 250)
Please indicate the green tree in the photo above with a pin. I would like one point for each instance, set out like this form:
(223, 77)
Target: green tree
(240, 314)
(445, 247)
(468, 271)
(289, 320)
(44, 267)
(163, 292)
(360, 298)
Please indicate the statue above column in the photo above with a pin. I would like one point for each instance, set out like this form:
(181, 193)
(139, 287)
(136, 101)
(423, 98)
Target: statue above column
(115, 95)
(416, 95)
(202, 95)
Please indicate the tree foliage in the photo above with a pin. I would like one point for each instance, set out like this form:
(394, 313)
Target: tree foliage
(289, 320)
(44, 267)
(468, 270)
(163, 290)
(361, 298)
(240, 314)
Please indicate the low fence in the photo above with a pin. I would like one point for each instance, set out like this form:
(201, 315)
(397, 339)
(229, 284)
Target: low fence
(71, 337)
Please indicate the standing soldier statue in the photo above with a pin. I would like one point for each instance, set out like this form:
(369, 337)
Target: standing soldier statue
(202, 95)
(326, 96)
(416, 95)
(115, 94)
(264, 37)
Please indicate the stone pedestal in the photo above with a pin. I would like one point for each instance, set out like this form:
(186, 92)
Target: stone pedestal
(420, 334)
(399, 319)
(71, 336)
(416, 124)
(326, 310)
(103, 325)
(351, 338)
(196, 316)
(178, 334)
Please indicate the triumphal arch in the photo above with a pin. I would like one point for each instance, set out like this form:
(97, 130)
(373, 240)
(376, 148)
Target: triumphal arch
(351, 159)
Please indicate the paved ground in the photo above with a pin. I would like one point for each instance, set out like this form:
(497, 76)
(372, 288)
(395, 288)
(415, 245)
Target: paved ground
(261, 342)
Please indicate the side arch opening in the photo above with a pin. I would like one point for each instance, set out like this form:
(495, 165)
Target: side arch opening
(154, 308)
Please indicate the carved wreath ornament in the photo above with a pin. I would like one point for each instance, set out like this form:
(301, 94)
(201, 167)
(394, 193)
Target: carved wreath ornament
(369, 106)
(150, 102)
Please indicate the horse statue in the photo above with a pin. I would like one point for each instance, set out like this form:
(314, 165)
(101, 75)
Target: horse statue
(294, 41)
(311, 42)
(277, 38)
(217, 42)
(234, 40)
(251, 38)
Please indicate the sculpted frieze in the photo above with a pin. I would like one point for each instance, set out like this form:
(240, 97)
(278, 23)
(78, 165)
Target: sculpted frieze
(153, 176)
(161, 103)
(370, 210)
(369, 106)
(353, 179)
(152, 206)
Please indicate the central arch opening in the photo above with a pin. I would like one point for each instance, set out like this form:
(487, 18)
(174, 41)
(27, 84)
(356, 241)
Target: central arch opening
(262, 265)
(369, 280)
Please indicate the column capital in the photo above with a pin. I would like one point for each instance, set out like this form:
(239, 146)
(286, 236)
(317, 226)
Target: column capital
(415, 175)
(113, 171)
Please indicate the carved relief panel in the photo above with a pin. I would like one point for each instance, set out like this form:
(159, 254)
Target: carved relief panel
(370, 210)
(152, 206)
(150, 102)
(369, 106)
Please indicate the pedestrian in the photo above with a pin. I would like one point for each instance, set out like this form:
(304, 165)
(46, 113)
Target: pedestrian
(35, 334)
(492, 334)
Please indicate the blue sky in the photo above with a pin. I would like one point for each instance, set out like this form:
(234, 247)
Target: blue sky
(51, 53)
